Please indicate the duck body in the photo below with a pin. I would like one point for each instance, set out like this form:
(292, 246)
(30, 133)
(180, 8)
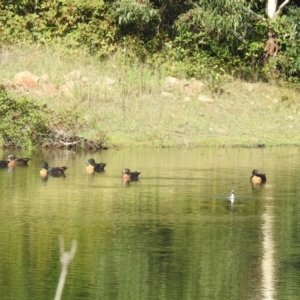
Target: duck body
(14, 161)
(130, 176)
(93, 167)
(3, 163)
(258, 177)
(53, 171)
(231, 197)
(44, 170)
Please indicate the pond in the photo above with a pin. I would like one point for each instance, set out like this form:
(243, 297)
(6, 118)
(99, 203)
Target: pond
(171, 235)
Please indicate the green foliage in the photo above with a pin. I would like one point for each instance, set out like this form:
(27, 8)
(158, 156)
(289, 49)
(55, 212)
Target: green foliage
(130, 12)
(26, 123)
(202, 34)
(23, 122)
(287, 63)
(214, 81)
(137, 18)
(222, 33)
(220, 20)
(77, 23)
(67, 120)
(235, 39)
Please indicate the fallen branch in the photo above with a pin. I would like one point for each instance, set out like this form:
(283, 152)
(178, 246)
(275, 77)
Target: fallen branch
(65, 259)
(69, 143)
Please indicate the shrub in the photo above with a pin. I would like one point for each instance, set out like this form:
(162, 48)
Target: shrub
(23, 122)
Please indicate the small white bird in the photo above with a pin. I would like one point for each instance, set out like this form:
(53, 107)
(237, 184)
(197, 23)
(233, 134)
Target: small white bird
(231, 197)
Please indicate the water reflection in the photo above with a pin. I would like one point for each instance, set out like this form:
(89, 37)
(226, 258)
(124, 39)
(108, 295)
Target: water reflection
(268, 258)
(173, 234)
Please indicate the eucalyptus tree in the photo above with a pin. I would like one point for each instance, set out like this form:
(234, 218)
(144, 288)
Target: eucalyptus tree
(220, 33)
(273, 9)
(232, 35)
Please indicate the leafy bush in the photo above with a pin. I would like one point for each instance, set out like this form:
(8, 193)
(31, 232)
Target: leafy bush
(136, 18)
(77, 23)
(26, 124)
(287, 62)
(203, 34)
(23, 122)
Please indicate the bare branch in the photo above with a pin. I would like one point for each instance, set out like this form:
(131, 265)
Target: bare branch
(65, 259)
(69, 143)
(254, 14)
(278, 12)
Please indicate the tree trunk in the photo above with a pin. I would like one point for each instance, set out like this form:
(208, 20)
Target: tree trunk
(271, 8)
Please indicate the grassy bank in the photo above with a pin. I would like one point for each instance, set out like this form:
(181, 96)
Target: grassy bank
(137, 104)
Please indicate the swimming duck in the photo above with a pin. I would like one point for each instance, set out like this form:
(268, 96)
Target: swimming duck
(44, 170)
(258, 177)
(3, 163)
(130, 176)
(53, 171)
(13, 161)
(231, 197)
(93, 167)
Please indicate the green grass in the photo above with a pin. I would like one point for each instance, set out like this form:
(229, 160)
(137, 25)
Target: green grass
(133, 104)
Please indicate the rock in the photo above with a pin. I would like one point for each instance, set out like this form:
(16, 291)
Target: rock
(67, 89)
(107, 82)
(49, 89)
(171, 80)
(25, 79)
(74, 75)
(193, 86)
(167, 94)
(44, 78)
(206, 99)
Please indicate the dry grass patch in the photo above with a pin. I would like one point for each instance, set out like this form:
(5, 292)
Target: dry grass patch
(136, 104)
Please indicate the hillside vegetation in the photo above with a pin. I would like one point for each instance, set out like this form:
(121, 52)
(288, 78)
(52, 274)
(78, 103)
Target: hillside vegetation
(154, 74)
